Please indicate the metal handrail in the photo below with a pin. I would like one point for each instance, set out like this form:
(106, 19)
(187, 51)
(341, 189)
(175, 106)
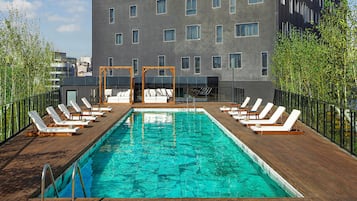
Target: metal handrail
(43, 181)
(76, 168)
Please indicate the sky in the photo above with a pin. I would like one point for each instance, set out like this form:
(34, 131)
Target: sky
(66, 24)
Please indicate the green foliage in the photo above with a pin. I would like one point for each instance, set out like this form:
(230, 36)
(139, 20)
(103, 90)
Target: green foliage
(321, 66)
(24, 59)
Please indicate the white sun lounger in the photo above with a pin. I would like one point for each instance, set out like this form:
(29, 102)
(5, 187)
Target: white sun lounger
(50, 131)
(272, 120)
(286, 128)
(58, 121)
(70, 116)
(244, 111)
(243, 105)
(261, 115)
(79, 110)
(89, 106)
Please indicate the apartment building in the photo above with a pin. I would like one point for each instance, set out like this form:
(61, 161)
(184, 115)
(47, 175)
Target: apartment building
(229, 42)
(62, 67)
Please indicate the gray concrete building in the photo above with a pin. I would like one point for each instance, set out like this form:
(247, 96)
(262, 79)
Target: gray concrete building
(227, 41)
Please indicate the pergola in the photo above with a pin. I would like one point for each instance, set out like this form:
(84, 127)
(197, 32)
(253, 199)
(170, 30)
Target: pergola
(173, 74)
(103, 73)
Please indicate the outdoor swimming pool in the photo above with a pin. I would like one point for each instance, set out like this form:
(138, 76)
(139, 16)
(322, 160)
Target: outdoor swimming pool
(165, 154)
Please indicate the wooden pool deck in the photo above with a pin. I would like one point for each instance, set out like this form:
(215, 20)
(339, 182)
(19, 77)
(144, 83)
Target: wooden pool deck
(317, 168)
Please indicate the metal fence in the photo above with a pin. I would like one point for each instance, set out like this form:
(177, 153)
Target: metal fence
(338, 124)
(14, 116)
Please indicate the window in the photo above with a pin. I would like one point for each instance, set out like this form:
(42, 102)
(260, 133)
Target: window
(251, 29)
(185, 63)
(169, 35)
(132, 11)
(118, 39)
(193, 32)
(161, 62)
(160, 7)
(282, 2)
(255, 1)
(264, 63)
(135, 36)
(191, 7)
(232, 6)
(197, 64)
(235, 60)
(111, 15)
(216, 3)
(135, 65)
(216, 62)
(110, 63)
(219, 34)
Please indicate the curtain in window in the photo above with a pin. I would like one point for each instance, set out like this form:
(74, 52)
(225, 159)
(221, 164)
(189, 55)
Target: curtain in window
(135, 66)
(169, 35)
(133, 11)
(191, 7)
(197, 65)
(235, 60)
(216, 3)
(216, 62)
(135, 36)
(193, 32)
(232, 6)
(247, 29)
(219, 32)
(161, 6)
(185, 63)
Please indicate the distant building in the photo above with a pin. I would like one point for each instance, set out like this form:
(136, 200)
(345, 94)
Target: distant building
(63, 67)
(227, 43)
(84, 67)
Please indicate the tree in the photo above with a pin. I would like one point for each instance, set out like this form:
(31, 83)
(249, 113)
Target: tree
(25, 59)
(337, 29)
(298, 64)
(320, 64)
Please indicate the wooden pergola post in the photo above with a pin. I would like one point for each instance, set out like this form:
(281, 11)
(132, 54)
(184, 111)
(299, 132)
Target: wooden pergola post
(103, 72)
(173, 74)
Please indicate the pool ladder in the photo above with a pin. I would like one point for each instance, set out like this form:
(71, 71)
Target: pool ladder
(75, 170)
(193, 103)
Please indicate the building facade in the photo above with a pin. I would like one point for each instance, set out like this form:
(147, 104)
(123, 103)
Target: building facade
(230, 40)
(62, 67)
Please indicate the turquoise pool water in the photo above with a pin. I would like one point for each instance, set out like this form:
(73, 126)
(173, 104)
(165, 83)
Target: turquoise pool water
(172, 155)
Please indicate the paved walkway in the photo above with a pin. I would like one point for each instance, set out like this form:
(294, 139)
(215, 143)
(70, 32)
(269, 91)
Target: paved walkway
(314, 166)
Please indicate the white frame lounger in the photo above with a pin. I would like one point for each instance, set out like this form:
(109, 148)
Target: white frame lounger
(89, 106)
(272, 120)
(79, 110)
(58, 121)
(244, 111)
(68, 114)
(243, 105)
(261, 115)
(43, 130)
(286, 128)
